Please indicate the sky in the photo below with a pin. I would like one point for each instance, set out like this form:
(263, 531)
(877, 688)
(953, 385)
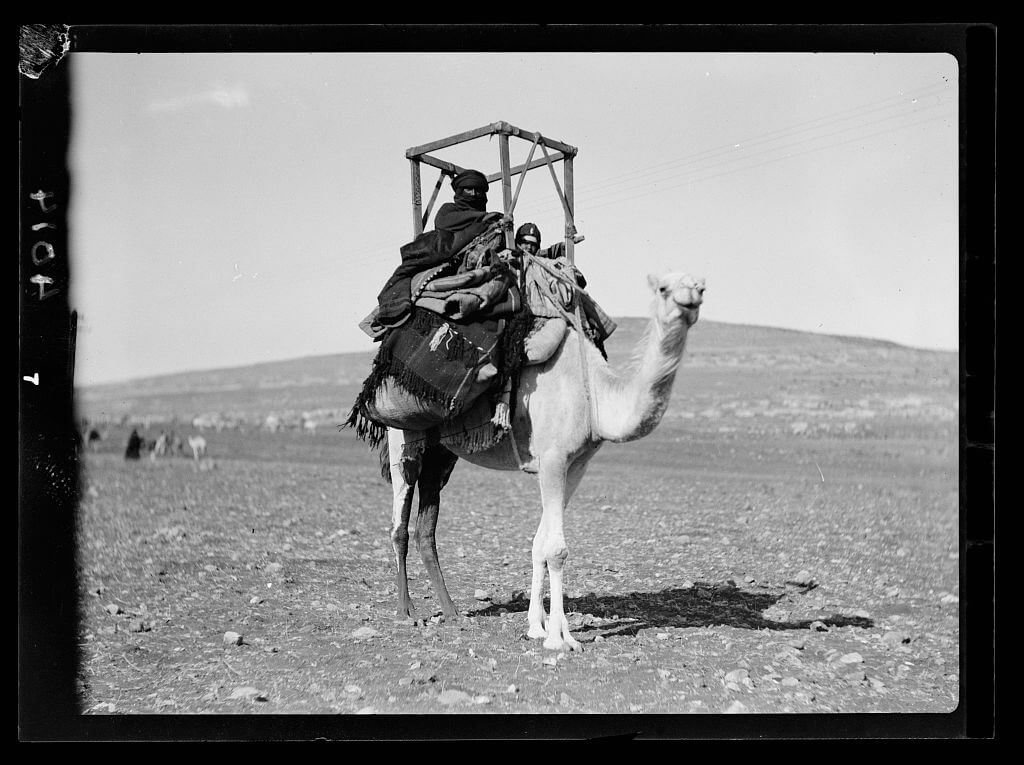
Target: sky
(233, 208)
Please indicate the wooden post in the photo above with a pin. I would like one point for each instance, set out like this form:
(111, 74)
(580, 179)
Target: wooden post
(417, 198)
(506, 183)
(570, 210)
(430, 204)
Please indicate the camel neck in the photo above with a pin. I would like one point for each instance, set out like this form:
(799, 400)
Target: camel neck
(630, 408)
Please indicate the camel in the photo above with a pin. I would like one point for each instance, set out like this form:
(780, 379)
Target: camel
(566, 408)
(198, 444)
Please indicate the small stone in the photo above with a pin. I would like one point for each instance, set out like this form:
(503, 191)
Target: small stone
(803, 578)
(736, 708)
(851, 658)
(482, 595)
(737, 676)
(790, 681)
(818, 626)
(482, 699)
(635, 708)
(452, 696)
(232, 638)
(255, 600)
(138, 625)
(113, 609)
(405, 681)
(512, 689)
(893, 638)
(245, 692)
(364, 632)
(949, 598)
(663, 636)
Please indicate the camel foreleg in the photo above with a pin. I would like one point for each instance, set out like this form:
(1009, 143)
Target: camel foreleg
(550, 552)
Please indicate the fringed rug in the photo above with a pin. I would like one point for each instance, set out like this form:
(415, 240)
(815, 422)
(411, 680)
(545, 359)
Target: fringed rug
(437, 360)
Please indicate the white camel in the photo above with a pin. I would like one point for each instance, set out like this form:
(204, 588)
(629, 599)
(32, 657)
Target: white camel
(566, 408)
(198, 445)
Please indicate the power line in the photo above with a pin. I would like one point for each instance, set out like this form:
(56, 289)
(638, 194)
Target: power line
(779, 159)
(591, 192)
(588, 190)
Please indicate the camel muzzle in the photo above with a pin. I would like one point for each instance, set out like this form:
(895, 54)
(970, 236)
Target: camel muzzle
(693, 299)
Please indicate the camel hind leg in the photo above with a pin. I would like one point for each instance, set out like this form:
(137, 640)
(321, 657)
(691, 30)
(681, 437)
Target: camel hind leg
(405, 468)
(435, 470)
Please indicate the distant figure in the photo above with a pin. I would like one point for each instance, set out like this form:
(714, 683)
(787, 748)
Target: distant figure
(135, 443)
(94, 438)
(159, 447)
(198, 444)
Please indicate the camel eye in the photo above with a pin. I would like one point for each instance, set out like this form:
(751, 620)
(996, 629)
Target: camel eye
(663, 289)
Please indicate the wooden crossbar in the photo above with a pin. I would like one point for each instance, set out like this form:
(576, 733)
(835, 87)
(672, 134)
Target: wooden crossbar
(502, 128)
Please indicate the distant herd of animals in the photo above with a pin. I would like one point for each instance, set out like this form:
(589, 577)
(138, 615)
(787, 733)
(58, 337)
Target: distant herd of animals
(166, 444)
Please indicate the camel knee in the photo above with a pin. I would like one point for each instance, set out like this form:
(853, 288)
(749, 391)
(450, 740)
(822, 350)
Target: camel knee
(425, 541)
(551, 553)
(556, 557)
(400, 538)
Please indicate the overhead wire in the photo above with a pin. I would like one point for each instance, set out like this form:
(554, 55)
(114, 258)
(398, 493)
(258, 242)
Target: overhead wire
(590, 193)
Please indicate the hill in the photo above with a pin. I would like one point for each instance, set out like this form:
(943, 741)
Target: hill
(733, 367)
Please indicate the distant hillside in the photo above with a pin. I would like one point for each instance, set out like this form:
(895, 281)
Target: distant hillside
(324, 387)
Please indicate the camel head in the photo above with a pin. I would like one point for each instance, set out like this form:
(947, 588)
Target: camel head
(678, 298)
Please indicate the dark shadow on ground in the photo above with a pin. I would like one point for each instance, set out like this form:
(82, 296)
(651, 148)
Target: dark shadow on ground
(703, 605)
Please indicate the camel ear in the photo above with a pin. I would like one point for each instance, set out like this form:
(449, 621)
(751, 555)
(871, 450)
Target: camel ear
(654, 281)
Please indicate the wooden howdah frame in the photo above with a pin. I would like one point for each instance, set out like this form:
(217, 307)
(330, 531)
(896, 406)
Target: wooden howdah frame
(563, 152)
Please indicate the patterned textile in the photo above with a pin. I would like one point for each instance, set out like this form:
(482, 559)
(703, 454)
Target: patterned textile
(429, 249)
(436, 360)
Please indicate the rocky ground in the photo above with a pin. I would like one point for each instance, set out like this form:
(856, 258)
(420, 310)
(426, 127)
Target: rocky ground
(771, 551)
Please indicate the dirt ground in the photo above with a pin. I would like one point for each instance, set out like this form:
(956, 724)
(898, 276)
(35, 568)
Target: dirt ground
(741, 581)
(767, 556)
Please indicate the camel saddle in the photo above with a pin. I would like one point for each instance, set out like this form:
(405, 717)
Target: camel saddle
(462, 337)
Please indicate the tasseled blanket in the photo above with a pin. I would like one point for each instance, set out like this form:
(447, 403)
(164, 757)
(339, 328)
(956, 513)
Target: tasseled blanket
(438, 359)
(429, 249)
